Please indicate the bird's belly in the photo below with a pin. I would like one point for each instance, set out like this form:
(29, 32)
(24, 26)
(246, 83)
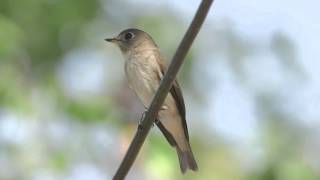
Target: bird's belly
(143, 90)
(143, 81)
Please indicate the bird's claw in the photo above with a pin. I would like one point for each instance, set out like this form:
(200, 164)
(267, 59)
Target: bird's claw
(141, 119)
(144, 114)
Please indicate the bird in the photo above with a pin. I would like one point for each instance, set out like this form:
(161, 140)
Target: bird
(144, 68)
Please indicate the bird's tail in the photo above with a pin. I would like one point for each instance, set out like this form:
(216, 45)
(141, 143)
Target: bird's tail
(186, 159)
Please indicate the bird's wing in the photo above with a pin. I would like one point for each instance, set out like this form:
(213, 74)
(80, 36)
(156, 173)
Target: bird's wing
(166, 133)
(177, 95)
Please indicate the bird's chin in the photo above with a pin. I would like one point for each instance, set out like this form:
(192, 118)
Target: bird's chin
(123, 49)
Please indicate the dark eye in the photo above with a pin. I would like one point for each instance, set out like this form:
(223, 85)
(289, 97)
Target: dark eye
(128, 36)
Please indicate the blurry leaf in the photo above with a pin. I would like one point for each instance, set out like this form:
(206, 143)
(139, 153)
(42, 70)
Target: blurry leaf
(10, 37)
(45, 25)
(87, 112)
(162, 161)
(59, 161)
(296, 170)
(13, 93)
(285, 50)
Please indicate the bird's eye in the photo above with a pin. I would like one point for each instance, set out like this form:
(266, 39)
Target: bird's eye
(128, 36)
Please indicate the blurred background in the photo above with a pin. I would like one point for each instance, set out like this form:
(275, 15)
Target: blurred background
(251, 84)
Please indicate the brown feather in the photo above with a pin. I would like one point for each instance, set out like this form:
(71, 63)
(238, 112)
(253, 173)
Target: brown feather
(177, 95)
(166, 134)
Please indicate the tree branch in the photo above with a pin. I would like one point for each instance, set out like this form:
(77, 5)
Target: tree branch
(163, 90)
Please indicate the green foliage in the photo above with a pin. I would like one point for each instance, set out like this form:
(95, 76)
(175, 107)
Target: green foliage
(47, 28)
(59, 161)
(10, 37)
(87, 111)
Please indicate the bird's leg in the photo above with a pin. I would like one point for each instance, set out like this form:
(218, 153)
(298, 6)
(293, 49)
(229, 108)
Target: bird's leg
(141, 119)
(156, 121)
(144, 114)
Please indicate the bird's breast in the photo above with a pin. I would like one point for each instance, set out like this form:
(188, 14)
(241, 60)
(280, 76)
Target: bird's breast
(141, 71)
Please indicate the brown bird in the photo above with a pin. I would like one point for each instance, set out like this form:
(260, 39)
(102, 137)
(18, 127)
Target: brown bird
(145, 68)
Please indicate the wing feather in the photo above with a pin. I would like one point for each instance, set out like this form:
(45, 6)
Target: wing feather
(177, 95)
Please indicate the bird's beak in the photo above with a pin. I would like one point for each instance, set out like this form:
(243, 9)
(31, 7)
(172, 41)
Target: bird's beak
(113, 40)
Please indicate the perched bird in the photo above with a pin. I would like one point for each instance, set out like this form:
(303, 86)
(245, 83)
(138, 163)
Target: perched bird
(144, 68)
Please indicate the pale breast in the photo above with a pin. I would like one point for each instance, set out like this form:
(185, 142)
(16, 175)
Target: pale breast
(141, 71)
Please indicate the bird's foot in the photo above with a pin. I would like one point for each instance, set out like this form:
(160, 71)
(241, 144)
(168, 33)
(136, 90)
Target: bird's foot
(144, 114)
(141, 119)
(156, 121)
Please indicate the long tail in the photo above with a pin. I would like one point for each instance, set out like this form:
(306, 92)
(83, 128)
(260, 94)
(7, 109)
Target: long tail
(186, 159)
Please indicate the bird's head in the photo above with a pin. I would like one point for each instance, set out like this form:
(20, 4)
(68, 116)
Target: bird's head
(132, 39)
